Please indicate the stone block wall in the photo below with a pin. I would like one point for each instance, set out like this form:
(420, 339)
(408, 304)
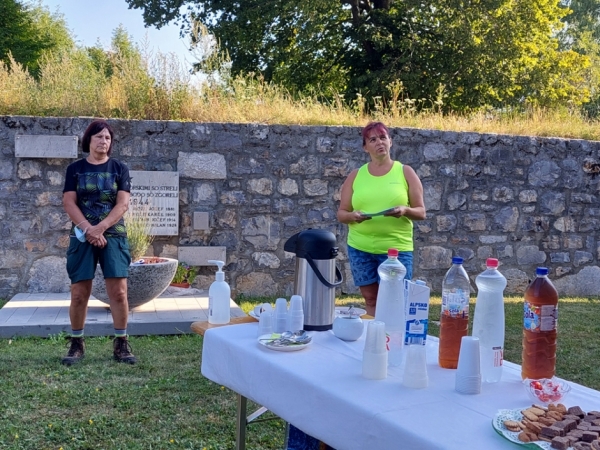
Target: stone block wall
(247, 188)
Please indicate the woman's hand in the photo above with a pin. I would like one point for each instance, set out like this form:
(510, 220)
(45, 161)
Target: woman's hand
(357, 216)
(397, 211)
(95, 236)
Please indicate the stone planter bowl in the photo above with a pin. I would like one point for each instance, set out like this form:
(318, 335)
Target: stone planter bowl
(145, 282)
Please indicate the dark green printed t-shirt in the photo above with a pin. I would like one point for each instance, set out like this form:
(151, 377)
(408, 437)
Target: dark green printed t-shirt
(96, 187)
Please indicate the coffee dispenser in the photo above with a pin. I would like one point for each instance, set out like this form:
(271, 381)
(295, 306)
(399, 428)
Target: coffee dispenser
(317, 276)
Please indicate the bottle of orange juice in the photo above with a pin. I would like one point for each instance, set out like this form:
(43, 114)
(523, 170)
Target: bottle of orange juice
(540, 315)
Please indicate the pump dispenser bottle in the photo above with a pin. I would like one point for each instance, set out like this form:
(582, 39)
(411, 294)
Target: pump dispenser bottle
(219, 295)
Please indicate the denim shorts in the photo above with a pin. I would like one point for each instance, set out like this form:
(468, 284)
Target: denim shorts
(364, 265)
(83, 257)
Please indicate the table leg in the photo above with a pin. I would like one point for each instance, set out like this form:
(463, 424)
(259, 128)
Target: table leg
(240, 426)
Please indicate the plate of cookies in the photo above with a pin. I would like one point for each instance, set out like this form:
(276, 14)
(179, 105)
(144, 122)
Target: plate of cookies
(550, 427)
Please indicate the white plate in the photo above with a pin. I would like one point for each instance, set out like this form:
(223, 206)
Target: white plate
(343, 311)
(253, 314)
(287, 348)
(515, 414)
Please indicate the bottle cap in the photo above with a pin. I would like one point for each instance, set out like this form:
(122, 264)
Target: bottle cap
(457, 260)
(393, 252)
(542, 271)
(491, 262)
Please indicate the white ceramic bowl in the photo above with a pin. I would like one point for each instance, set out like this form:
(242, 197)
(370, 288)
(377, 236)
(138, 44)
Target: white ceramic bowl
(348, 328)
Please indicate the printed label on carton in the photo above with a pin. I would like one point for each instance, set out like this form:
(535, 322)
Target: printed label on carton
(417, 312)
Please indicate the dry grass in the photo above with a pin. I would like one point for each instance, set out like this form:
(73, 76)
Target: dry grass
(157, 87)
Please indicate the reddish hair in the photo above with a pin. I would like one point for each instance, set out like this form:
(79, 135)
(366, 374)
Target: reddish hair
(377, 126)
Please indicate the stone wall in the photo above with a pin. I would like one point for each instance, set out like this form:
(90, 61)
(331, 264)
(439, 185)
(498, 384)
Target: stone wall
(527, 201)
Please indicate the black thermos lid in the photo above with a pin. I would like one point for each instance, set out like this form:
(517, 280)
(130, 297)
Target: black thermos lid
(319, 244)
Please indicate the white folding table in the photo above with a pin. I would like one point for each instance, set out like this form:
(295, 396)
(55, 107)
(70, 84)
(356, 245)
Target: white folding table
(320, 390)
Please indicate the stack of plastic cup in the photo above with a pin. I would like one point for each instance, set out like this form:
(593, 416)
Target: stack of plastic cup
(280, 316)
(295, 314)
(415, 368)
(468, 372)
(375, 354)
(265, 320)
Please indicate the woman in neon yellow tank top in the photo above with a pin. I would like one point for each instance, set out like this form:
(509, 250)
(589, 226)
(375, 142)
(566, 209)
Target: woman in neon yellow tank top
(382, 185)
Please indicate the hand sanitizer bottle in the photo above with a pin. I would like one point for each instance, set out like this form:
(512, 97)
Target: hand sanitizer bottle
(219, 295)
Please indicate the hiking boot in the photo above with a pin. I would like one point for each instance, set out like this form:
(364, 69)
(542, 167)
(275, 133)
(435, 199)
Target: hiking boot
(122, 351)
(76, 351)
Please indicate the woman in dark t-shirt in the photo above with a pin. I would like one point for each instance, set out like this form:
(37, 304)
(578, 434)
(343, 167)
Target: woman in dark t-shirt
(96, 197)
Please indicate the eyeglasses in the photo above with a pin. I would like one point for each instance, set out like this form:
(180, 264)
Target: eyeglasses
(79, 234)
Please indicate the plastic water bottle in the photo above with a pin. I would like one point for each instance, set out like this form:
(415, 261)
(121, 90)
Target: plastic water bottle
(454, 320)
(390, 305)
(488, 321)
(540, 317)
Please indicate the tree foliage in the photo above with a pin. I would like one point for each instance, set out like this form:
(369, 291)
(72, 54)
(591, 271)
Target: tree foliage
(29, 31)
(477, 52)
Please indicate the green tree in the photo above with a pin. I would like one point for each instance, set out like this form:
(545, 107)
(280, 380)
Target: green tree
(123, 51)
(30, 31)
(483, 52)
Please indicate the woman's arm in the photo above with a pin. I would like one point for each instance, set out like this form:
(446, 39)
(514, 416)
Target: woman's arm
(416, 210)
(73, 211)
(96, 233)
(346, 213)
(116, 213)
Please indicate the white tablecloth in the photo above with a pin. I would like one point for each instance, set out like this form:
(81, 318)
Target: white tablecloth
(321, 391)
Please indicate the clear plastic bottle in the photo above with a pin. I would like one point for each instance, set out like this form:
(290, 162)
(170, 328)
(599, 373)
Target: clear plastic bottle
(390, 305)
(219, 296)
(454, 319)
(488, 321)
(540, 316)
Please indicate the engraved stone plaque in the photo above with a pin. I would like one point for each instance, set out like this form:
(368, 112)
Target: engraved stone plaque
(45, 146)
(199, 256)
(156, 195)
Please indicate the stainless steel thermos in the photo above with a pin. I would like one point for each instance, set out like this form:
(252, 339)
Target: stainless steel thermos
(316, 276)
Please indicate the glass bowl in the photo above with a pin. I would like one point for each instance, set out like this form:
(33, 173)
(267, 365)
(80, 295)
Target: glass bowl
(546, 390)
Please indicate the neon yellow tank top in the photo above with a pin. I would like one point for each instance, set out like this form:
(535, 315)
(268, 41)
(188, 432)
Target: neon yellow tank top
(372, 194)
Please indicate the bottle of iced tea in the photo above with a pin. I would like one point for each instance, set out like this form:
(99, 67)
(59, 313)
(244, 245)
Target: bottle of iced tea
(540, 315)
(454, 320)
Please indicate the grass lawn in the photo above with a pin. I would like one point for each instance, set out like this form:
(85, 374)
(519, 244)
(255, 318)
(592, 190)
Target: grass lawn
(164, 402)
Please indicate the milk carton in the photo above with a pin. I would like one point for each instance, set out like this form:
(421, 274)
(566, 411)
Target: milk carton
(416, 294)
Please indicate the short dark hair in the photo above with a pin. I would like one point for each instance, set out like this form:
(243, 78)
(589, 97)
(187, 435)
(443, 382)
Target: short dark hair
(377, 126)
(94, 128)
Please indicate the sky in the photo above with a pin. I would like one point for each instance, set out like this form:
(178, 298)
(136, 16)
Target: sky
(90, 20)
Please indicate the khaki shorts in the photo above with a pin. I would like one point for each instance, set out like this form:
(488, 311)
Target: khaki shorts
(83, 257)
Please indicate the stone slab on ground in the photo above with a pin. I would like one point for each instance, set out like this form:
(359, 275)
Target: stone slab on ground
(47, 314)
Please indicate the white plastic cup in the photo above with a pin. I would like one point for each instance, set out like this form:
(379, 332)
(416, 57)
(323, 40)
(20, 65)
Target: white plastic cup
(468, 358)
(281, 315)
(295, 314)
(467, 385)
(375, 354)
(265, 323)
(415, 369)
(296, 303)
(468, 372)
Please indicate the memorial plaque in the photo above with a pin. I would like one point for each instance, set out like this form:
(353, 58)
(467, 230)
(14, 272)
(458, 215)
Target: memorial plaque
(199, 256)
(45, 146)
(156, 195)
